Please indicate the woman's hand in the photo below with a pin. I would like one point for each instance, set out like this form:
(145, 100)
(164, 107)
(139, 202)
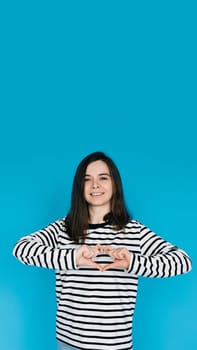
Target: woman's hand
(85, 255)
(121, 258)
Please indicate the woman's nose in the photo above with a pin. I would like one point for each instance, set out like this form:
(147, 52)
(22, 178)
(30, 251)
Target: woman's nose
(95, 183)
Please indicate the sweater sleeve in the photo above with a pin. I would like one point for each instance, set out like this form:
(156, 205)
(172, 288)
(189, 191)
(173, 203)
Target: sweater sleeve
(41, 249)
(158, 258)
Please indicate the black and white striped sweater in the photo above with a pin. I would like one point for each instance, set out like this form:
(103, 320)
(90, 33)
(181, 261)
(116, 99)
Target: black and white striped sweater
(95, 308)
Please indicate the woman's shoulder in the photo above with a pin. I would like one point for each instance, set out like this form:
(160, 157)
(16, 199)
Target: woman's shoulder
(58, 224)
(134, 222)
(134, 225)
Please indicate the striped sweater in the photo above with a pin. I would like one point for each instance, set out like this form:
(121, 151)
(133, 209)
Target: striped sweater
(94, 308)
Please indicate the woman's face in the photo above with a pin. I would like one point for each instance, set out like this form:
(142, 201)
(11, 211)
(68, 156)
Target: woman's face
(98, 185)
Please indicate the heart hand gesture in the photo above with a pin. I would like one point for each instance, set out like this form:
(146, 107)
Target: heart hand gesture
(85, 255)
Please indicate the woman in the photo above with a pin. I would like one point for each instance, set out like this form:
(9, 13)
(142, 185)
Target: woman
(98, 253)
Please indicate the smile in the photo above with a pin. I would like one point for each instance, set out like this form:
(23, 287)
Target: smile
(97, 194)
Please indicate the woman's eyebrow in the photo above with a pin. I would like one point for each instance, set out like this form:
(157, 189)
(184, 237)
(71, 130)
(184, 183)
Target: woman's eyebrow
(105, 174)
(100, 174)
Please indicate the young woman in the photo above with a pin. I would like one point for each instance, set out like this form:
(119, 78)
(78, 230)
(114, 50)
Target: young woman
(98, 253)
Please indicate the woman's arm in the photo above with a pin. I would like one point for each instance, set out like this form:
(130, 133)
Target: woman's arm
(41, 249)
(158, 258)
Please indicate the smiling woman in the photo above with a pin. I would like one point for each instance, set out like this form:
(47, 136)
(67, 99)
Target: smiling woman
(98, 252)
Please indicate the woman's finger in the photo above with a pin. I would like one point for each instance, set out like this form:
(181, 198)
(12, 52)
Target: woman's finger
(110, 251)
(99, 249)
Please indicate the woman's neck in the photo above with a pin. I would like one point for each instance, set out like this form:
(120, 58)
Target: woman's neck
(96, 215)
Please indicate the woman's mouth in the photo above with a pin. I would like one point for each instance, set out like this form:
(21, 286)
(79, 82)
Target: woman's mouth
(96, 194)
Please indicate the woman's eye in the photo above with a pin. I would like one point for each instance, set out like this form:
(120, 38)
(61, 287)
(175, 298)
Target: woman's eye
(86, 179)
(104, 178)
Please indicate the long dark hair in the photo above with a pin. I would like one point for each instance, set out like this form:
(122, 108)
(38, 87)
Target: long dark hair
(78, 216)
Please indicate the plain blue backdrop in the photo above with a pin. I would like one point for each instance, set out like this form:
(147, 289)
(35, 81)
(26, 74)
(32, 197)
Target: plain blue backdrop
(81, 76)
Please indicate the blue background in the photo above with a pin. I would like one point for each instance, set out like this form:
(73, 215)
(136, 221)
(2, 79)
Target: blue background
(81, 76)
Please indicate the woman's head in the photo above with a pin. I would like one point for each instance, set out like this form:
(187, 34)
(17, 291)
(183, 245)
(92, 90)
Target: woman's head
(97, 181)
(81, 175)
